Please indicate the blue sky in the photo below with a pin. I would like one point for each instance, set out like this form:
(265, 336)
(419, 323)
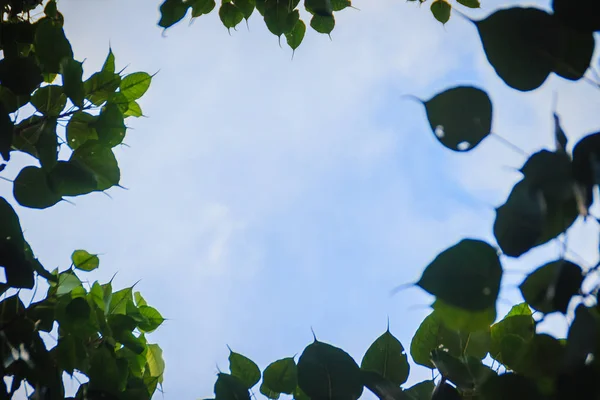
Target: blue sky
(268, 196)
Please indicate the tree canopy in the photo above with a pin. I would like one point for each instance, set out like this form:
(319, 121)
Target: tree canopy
(101, 333)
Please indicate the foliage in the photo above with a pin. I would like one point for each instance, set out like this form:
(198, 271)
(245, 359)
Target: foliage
(524, 46)
(93, 332)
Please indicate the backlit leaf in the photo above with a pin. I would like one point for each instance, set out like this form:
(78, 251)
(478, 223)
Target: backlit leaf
(31, 189)
(386, 356)
(244, 369)
(85, 261)
(295, 36)
(80, 129)
(51, 45)
(229, 387)
(133, 86)
(100, 161)
(49, 100)
(72, 72)
(322, 24)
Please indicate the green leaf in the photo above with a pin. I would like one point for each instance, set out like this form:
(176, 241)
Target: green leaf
(541, 358)
(460, 117)
(80, 129)
(381, 387)
(9, 100)
(470, 3)
(268, 393)
(280, 17)
(295, 36)
(246, 7)
(49, 100)
(281, 376)
(321, 8)
(46, 147)
(229, 387)
(171, 12)
(230, 15)
(467, 275)
(421, 391)
(339, 5)
(441, 10)
(51, 45)
(78, 310)
(322, 24)
(120, 301)
(71, 353)
(299, 394)
(106, 372)
(386, 356)
(510, 386)
(133, 110)
(21, 75)
(452, 369)
(69, 178)
(156, 364)
(133, 86)
(31, 189)
(463, 320)
(72, 73)
(244, 369)
(550, 288)
(139, 300)
(201, 7)
(519, 43)
(151, 319)
(109, 63)
(100, 161)
(67, 282)
(518, 322)
(85, 261)
(110, 125)
(50, 9)
(327, 372)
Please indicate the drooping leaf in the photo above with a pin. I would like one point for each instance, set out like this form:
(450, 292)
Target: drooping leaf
(171, 12)
(327, 372)
(586, 161)
(49, 100)
(583, 15)
(386, 356)
(460, 117)
(51, 45)
(46, 146)
(295, 36)
(230, 15)
(85, 261)
(100, 161)
(133, 86)
(110, 125)
(156, 364)
(550, 287)
(322, 24)
(467, 275)
(6, 133)
(244, 369)
(574, 53)
(519, 44)
(321, 8)
(421, 391)
(201, 7)
(281, 376)
(18, 269)
(246, 7)
(80, 129)
(280, 17)
(441, 10)
(72, 73)
(229, 387)
(31, 189)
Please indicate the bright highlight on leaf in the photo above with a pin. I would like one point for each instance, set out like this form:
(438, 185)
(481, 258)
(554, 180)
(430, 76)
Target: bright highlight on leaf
(85, 261)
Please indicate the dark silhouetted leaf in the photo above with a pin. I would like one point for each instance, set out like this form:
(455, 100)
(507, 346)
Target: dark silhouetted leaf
(583, 15)
(47, 144)
(586, 161)
(550, 287)
(520, 43)
(20, 75)
(559, 135)
(6, 133)
(281, 376)
(72, 179)
(421, 391)
(381, 387)
(582, 340)
(460, 117)
(470, 3)
(444, 391)
(245, 6)
(452, 369)
(280, 17)
(110, 125)
(229, 387)
(244, 369)
(230, 15)
(322, 8)
(510, 386)
(31, 189)
(441, 10)
(467, 275)
(49, 100)
(171, 12)
(327, 372)
(574, 53)
(85, 261)
(72, 72)
(518, 322)
(51, 45)
(541, 358)
(386, 356)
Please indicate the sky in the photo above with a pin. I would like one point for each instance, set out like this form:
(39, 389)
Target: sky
(268, 196)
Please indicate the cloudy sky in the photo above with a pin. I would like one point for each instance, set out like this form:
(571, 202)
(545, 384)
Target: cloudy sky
(269, 195)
